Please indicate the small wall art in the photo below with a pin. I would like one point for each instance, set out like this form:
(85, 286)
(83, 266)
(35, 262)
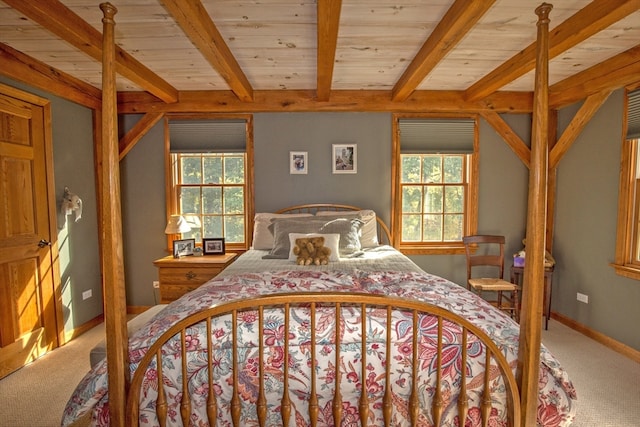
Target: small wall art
(298, 162)
(344, 158)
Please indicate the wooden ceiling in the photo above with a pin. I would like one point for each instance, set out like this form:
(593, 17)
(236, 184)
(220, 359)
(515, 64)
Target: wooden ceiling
(324, 54)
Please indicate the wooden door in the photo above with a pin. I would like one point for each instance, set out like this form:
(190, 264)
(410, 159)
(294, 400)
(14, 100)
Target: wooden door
(28, 303)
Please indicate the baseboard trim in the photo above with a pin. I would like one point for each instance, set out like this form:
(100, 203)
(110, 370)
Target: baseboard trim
(76, 332)
(614, 345)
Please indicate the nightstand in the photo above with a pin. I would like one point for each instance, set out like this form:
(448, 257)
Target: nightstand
(181, 275)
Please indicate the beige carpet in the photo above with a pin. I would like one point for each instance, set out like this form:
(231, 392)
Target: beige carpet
(35, 396)
(607, 383)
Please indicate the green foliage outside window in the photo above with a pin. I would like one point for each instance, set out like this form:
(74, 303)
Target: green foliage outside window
(433, 195)
(211, 187)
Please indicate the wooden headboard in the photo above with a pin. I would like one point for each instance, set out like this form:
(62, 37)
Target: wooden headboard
(384, 235)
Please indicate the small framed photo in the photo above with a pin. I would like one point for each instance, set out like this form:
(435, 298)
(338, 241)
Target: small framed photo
(183, 247)
(298, 162)
(344, 158)
(213, 246)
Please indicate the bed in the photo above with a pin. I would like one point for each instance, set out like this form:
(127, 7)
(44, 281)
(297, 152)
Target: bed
(262, 305)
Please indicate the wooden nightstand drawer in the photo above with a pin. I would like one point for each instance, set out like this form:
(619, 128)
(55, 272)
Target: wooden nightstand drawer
(188, 276)
(181, 275)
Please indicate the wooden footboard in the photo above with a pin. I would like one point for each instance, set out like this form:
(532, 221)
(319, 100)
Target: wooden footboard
(389, 378)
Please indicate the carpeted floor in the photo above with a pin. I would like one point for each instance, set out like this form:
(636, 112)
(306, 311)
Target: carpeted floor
(608, 384)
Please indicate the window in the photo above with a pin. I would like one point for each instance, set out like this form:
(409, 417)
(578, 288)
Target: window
(436, 180)
(627, 260)
(211, 188)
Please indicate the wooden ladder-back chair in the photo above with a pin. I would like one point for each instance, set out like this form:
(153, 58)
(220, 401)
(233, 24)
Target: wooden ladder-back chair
(485, 254)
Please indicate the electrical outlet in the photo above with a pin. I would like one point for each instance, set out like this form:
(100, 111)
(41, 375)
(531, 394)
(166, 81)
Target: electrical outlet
(86, 294)
(156, 284)
(583, 298)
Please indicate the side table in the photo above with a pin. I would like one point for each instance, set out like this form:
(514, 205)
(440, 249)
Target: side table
(517, 274)
(181, 275)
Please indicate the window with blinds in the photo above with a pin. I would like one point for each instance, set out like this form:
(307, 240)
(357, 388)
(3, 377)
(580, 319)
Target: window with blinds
(210, 178)
(435, 205)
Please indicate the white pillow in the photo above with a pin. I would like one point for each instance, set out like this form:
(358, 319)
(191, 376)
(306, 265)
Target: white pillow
(368, 232)
(332, 241)
(262, 236)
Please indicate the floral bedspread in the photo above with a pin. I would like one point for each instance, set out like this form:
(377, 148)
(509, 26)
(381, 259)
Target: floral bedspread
(556, 400)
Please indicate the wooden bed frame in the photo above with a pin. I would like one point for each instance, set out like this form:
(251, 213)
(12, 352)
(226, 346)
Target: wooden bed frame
(498, 367)
(112, 246)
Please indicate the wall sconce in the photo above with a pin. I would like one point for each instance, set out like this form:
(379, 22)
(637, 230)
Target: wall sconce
(71, 203)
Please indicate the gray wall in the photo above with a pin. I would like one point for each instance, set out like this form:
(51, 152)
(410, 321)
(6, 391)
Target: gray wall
(585, 236)
(72, 131)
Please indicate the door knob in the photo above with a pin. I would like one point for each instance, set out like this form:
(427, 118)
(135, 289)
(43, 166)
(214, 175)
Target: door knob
(42, 243)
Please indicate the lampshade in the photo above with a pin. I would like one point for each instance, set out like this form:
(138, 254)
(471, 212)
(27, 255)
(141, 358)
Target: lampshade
(177, 224)
(193, 221)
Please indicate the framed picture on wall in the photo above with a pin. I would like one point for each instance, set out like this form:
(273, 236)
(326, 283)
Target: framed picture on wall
(344, 158)
(298, 162)
(213, 246)
(183, 247)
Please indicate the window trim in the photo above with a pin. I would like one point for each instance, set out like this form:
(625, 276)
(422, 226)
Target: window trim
(628, 207)
(171, 195)
(471, 200)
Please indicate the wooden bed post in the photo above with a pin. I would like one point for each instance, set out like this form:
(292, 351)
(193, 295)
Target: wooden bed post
(531, 315)
(110, 217)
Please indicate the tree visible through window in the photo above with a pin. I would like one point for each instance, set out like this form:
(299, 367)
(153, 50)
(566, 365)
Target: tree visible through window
(433, 197)
(211, 194)
(435, 182)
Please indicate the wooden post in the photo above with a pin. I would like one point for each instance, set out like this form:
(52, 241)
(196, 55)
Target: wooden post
(115, 307)
(533, 286)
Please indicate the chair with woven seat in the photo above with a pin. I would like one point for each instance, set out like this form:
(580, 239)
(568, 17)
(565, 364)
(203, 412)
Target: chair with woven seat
(485, 272)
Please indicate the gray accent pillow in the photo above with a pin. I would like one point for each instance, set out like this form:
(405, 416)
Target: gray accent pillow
(347, 228)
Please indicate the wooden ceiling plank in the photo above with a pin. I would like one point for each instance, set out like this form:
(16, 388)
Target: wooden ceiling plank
(456, 23)
(328, 25)
(593, 18)
(616, 72)
(590, 106)
(63, 22)
(196, 23)
(513, 141)
(131, 138)
(341, 100)
(23, 68)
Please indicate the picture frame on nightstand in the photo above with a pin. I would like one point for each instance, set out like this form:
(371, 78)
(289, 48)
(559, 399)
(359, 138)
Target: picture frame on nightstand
(183, 247)
(213, 246)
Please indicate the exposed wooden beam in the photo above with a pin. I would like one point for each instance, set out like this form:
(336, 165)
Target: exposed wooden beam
(591, 105)
(136, 133)
(459, 19)
(341, 100)
(616, 72)
(26, 69)
(196, 23)
(328, 24)
(504, 130)
(63, 22)
(593, 18)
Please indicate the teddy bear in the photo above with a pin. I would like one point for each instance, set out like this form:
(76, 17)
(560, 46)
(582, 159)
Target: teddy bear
(304, 251)
(321, 253)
